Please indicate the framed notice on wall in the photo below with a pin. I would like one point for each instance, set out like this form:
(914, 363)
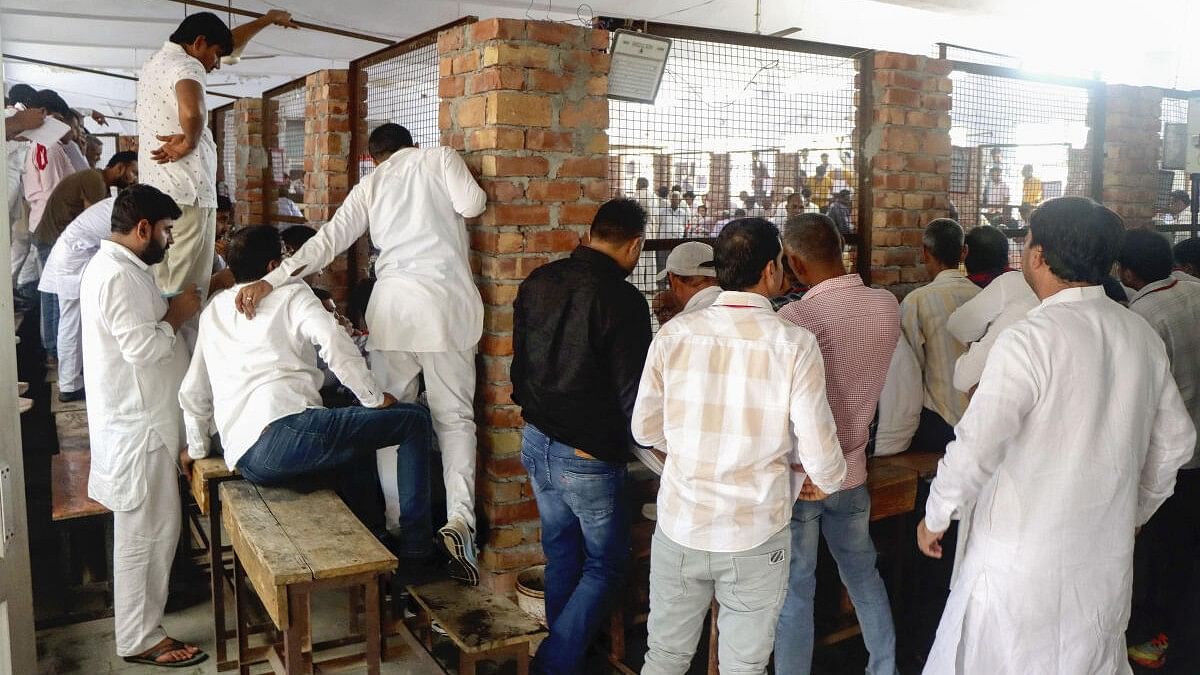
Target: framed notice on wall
(636, 69)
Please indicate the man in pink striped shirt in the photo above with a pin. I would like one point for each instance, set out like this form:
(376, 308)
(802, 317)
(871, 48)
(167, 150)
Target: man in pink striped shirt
(857, 328)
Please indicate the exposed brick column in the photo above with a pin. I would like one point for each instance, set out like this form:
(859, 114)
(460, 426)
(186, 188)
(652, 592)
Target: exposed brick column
(908, 151)
(327, 155)
(718, 184)
(526, 102)
(1133, 121)
(251, 159)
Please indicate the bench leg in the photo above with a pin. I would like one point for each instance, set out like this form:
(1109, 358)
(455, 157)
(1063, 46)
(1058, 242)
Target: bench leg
(523, 659)
(243, 628)
(372, 621)
(297, 632)
(216, 568)
(466, 663)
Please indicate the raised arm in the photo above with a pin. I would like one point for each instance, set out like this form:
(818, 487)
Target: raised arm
(468, 198)
(244, 33)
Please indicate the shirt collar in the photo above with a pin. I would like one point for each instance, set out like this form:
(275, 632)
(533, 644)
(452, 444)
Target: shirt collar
(701, 295)
(949, 275)
(120, 251)
(1153, 286)
(835, 284)
(1076, 294)
(598, 259)
(743, 299)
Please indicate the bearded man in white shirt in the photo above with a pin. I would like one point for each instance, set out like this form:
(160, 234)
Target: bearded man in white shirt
(135, 426)
(257, 382)
(425, 316)
(1057, 467)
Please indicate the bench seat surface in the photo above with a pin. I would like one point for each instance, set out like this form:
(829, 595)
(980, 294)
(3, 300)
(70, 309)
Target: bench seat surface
(476, 621)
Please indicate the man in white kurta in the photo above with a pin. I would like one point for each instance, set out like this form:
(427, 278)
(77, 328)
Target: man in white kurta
(134, 419)
(1070, 444)
(425, 315)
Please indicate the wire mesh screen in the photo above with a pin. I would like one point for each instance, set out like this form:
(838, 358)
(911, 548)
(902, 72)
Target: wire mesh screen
(1171, 207)
(735, 129)
(225, 136)
(1015, 144)
(283, 134)
(403, 89)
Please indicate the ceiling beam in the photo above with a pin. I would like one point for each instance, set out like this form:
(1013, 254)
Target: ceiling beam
(92, 71)
(302, 24)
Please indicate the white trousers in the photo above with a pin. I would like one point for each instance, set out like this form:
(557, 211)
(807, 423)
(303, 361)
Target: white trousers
(70, 348)
(20, 247)
(450, 387)
(144, 542)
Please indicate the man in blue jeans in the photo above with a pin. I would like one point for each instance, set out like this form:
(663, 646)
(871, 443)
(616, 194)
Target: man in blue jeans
(580, 335)
(258, 382)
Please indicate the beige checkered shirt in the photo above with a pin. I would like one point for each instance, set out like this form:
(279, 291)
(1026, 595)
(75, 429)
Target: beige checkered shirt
(735, 395)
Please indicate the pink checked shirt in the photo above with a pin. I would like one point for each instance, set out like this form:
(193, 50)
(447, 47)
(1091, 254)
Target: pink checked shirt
(857, 328)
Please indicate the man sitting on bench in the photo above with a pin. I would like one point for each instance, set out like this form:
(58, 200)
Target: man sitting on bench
(258, 381)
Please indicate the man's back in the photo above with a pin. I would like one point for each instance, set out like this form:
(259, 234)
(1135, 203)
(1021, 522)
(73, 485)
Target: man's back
(924, 315)
(71, 253)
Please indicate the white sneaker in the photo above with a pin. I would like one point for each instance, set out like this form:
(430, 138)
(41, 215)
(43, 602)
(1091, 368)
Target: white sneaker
(459, 541)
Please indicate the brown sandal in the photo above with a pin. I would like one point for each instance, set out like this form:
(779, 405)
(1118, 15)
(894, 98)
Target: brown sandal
(150, 658)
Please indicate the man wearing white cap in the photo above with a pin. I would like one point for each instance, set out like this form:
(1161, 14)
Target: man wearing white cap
(690, 273)
(779, 215)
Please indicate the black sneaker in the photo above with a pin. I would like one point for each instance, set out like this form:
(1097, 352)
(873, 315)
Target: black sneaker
(70, 396)
(459, 542)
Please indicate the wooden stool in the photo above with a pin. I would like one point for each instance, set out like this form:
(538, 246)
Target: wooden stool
(483, 626)
(288, 545)
(207, 476)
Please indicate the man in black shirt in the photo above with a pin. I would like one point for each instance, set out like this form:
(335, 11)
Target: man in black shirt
(580, 336)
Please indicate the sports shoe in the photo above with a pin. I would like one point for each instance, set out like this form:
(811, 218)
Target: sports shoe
(70, 396)
(1152, 654)
(459, 541)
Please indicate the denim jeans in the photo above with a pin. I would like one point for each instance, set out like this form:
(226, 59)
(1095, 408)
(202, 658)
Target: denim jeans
(342, 441)
(585, 536)
(49, 305)
(843, 518)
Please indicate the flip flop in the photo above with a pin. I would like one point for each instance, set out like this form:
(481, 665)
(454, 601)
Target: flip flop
(149, 658)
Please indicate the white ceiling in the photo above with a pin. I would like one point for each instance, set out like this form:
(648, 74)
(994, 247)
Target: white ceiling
(1150, 46)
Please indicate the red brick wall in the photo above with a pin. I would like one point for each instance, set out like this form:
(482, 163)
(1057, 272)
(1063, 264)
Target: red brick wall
(251, 159)
(327, 155)
(1133, 121)
(524, 101)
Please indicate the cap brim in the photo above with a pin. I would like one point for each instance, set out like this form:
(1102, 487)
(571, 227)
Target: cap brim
(661, 275)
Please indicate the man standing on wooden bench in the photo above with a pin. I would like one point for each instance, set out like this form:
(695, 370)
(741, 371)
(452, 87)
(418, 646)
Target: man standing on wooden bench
(134, 421)
(259, 383)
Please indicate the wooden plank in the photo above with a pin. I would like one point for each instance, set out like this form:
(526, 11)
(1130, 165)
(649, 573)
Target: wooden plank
(326, 535)
(893, 490)
(924, 463)
(57, 406)
(477, 621)
(204, 470)
(270, 559)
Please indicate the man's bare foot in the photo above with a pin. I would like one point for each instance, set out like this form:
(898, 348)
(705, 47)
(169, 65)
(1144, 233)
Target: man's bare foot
(169, 652)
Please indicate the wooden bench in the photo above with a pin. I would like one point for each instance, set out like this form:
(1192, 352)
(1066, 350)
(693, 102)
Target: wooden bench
(207, 476)
(483, 626)
(287, 545)
(924, 463)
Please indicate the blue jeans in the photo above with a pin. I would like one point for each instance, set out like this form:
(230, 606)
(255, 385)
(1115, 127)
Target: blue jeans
(844, 519)
(585, 536)
(341, 443)
(49, 305)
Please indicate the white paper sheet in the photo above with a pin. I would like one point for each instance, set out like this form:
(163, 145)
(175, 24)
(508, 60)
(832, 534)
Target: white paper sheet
(49, 133)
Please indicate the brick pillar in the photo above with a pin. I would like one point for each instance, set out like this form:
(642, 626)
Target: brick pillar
(1133, 121)
(718, 184)
(251, 160)
(662, 173)
(526, 102)
(327, 155)
(908, 151)
(787, 165)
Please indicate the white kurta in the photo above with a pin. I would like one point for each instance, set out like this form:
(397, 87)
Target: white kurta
(1071, 441)
(979, 321)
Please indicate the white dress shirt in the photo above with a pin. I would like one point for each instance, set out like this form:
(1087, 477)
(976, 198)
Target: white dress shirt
(45, 167)
(1071, 441)
(191, 181)
(703, 298)
(16, 148)
(138, 364)
(413, 205)
(672, 223)
(247, 373)
(900, 403)
(74, 248)
(735, 395)
(978, 322)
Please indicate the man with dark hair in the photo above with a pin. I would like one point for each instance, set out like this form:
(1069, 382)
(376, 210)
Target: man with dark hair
(257, 382)
(839, 212)
(130, 347)
(93, 148)
(996, 196)
(1056, 467)
(71, 197)
(426, 316)
(1187, 258)
(20, 116)
(987, 254)
(173, 127)
(295, 237)
(1171, 540)
(857, 329)
(923, 317)
(734, 438)
(580, 334)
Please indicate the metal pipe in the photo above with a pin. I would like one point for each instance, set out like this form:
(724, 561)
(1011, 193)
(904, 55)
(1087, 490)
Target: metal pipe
(93, 71)
(302, 24)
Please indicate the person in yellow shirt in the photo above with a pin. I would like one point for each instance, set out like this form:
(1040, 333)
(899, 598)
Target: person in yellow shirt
(1031, 192)
(822, 186)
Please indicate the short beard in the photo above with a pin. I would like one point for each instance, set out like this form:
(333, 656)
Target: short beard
(154, 253)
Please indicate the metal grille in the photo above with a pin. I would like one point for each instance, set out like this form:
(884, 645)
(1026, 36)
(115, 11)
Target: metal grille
(283, 135)
(736, 122)
(1174, 122)
(224, 123)
(401, 88)
(1001, 129)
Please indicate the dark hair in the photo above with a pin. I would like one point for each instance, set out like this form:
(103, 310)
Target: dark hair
(742, 251)
(689, 195)
(676, 188)
(123, 157)
(295, 236)
(141, 202)
(224, 204)
(250, 250)
(1181, 195)
(21, 93)
(806, 192)
(642, 183)
(662, 192)
(1187, 252)
(1147, 254)
(739, 213)
(322, 294)
(618, 221)
(813, 236)
(987, 250)
(388, 138)
(820, 171)
(49, 100)
(205, 24)
(944, 240)
(1079, 238)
